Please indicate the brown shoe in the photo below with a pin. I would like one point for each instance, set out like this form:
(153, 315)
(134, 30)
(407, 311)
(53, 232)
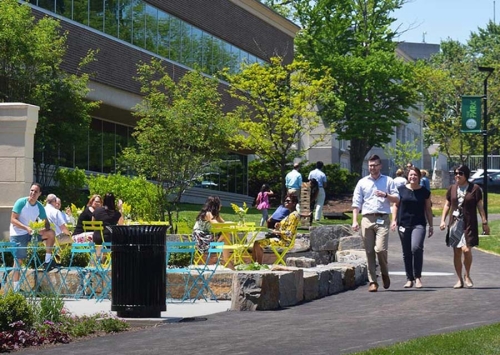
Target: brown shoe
(386, 281)
(373, 287)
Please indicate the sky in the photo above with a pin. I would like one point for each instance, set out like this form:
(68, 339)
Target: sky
(436, 20)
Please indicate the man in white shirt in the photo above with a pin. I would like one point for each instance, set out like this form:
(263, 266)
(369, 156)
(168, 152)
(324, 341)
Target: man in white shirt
(320, 177)
(373, 196)
(55, 216)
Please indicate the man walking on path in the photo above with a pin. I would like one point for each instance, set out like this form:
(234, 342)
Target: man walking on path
(373, 196)
(321, 179)
(26, 210)
(293, 182)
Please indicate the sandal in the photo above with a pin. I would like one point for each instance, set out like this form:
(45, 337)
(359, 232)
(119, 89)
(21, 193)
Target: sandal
(408, 284)
(459, 284)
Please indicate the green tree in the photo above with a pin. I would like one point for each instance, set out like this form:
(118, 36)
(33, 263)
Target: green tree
(443, 80)
(181, 131)
(31, 53)
(353, 38)
(402, 153)
(278, 110)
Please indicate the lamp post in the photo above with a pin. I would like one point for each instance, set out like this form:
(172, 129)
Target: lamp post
(488, 70)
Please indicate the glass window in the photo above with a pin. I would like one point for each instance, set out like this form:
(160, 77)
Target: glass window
(138, 23)
(175, 39)
(125, 27)
(63, 8)
(95, 146)
(163, 33)
(44, 4)
(111, 11)
(108, 147)
(96, 14)
(81, 11)
(151, 28)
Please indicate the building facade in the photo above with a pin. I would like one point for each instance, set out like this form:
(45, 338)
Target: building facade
(208, 35)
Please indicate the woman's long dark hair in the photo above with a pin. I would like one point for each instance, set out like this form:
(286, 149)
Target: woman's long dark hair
(109, 201)
(212, 205)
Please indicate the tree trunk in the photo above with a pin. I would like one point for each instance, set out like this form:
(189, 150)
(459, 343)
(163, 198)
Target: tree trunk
(358, 150)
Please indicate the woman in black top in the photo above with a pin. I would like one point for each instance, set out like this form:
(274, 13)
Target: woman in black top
(109, 217)
(78, 234)
(411, 215)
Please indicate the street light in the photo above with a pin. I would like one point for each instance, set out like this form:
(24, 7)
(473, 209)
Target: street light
(488, 70)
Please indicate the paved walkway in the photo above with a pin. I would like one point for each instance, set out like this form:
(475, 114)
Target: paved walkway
(340, 324)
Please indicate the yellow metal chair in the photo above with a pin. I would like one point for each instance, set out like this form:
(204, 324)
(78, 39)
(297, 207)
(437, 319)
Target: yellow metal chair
(281, 251)
(92, 226)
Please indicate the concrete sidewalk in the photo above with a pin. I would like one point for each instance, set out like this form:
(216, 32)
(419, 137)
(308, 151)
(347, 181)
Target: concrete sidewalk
(176, 311)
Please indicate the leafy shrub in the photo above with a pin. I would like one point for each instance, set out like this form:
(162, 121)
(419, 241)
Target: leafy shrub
(112, 325)
(251, 266)
(139, 193)
(70, 186)
(179, 259)
(80, 259)
(14, 307)
(49, 309)
(40, 252)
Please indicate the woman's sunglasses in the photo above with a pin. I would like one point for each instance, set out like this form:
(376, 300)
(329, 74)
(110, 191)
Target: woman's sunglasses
(461, 173)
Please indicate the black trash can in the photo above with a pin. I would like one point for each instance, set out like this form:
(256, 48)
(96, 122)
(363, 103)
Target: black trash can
(138, 276)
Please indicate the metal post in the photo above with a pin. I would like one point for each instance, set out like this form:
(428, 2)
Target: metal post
(485, 138)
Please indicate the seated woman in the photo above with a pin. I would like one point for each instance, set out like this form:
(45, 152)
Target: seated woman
(109, 217)
(284, 230)
(202, 230)
(79, 236)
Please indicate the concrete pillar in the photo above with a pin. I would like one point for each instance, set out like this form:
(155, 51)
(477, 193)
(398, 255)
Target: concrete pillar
(17, 132)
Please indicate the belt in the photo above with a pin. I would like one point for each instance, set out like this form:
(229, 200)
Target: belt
(376, 214)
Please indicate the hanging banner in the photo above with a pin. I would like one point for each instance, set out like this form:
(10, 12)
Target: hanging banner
(471, 114)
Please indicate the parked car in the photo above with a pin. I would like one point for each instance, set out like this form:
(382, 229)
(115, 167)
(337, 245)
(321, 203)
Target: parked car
(493, 182)
(479, 173)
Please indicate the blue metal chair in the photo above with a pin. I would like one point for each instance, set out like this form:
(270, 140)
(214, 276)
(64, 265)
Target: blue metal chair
(180, 248)
(206, 272)
(88, 275)
(6, 255)
(102, 270)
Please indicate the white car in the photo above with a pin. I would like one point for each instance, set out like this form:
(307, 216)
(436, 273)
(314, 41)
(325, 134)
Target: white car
(479, 173)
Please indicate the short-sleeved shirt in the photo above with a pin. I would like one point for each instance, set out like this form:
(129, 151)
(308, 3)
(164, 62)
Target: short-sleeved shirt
(108, 218)
(280, 213)
(319, 176)
(27, 213)
(56, 217)
(293, 180)
(411, 211)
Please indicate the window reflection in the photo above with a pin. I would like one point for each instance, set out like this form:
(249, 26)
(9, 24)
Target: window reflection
(146, 26)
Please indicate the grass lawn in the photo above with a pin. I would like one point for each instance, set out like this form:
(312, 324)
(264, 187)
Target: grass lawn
(188, 213)
(483, 340)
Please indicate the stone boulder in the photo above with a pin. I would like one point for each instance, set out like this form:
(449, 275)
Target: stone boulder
(255, 290)
(327, 238)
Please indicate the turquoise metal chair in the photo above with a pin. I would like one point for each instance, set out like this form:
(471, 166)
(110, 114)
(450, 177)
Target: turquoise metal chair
(7, 251)
(89, 275)
(206, 271)
(184, 251)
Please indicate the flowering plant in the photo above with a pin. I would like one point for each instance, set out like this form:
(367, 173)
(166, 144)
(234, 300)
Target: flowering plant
(76, 211)
(240, 211)
(126, 209)
(37, 226)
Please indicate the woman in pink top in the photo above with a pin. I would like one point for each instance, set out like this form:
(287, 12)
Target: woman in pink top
(262, 202)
